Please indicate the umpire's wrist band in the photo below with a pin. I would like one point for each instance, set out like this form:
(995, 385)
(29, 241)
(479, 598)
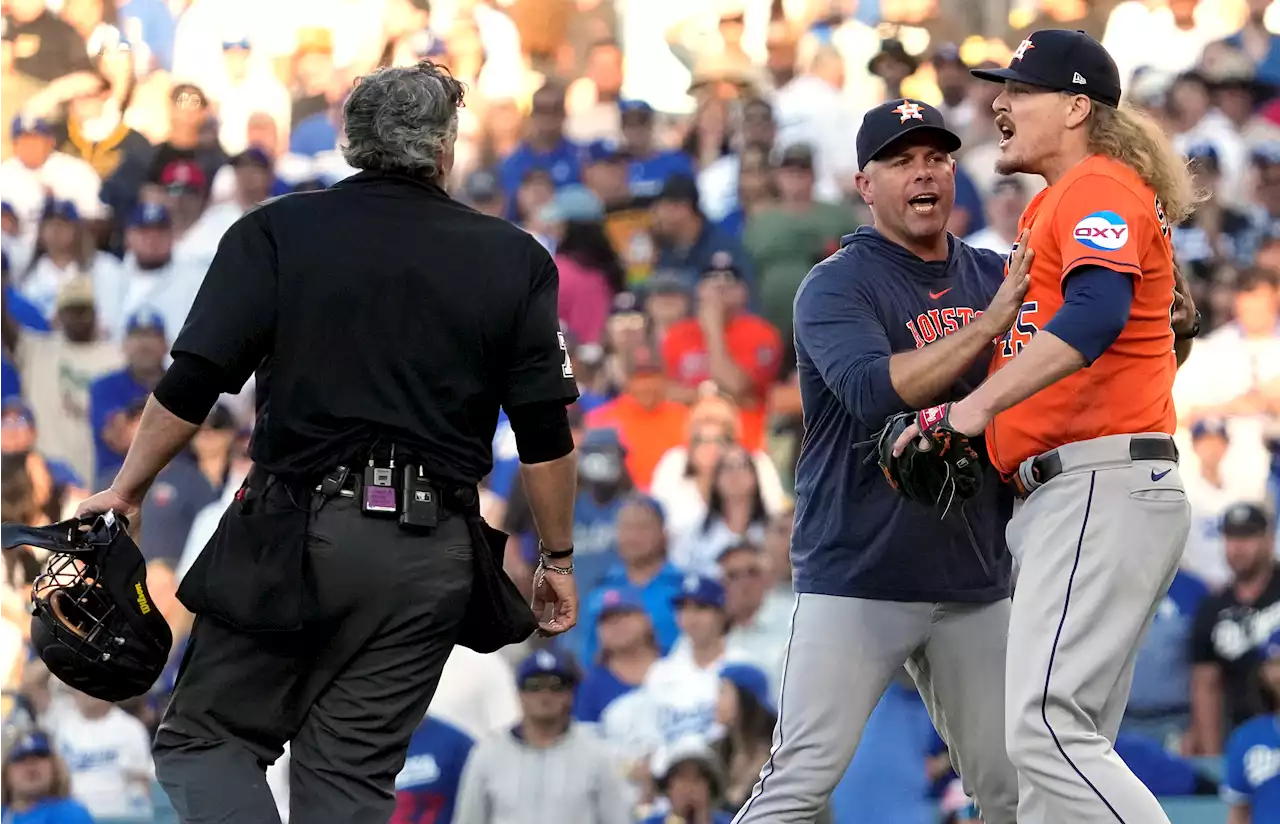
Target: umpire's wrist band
(554, 555)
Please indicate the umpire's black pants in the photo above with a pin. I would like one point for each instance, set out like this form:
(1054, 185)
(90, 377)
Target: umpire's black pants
(347, 691)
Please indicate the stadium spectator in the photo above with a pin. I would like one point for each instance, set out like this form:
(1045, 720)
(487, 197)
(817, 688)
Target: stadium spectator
(1252, 781)
(603, 486)
(149, 279)
(1229, 629)
(1008, 198)
(747, 712)
(1159, 706)
(64, 250)
(428, 783)
(115, 399)
(687, 241)
(643, 574)
(650, 164)
(545, 147)
(189, 117)
(37, 171)
(108, 756)
(567, 763)
(759, 621)
(735, 513)
(1210, 491)
(690, 779)
(1217, 233)
(627, 649)
(35, 788)
(647, 423)
(46, 46)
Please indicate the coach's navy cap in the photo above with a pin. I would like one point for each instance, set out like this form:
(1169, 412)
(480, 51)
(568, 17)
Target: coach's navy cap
(1245, 520)
(889, 122)
(1065, 61)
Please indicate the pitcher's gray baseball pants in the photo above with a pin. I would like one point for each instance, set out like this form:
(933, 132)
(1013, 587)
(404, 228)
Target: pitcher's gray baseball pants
(1097, 547)
(842, 655)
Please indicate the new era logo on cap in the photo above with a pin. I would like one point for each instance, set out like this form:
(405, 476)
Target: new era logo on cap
(1077, 78)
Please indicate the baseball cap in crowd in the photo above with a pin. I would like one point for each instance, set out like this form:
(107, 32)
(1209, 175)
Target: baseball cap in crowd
(1203, 151)
(30, 124)
(648, 502)
(603, 151)
(688, 749)
(17, 412)
(1209, 426)
(619, 602)
(720, 264)
(183, 176)
(481, 186)
(1271, 649)
(576, 203)
(61, 209)
(33, 744)
(796, 156)
(145, 320)
(602, 439)
(150, 216)
(76, 292)
(1065, 61)
(1245, 520)
(680, 188)
(252, 156)
(947, 54)
(751, 680)
(666, 282)
(1266, 154)
(241, 43)
(889, 122)
(635, 111)
(698, 589)
(545, 663)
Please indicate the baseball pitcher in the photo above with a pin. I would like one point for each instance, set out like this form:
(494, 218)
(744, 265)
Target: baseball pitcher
(1078, 416)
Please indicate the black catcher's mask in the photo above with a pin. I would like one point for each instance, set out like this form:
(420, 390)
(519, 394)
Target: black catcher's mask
(94, 623)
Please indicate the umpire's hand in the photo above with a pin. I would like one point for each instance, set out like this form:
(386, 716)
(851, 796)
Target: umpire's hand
(555, 598)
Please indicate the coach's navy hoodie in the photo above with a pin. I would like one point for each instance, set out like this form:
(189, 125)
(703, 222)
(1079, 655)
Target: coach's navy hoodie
(854, 535)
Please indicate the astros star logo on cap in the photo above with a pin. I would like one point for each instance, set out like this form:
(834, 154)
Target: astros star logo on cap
(1023, 48)
(908, 110)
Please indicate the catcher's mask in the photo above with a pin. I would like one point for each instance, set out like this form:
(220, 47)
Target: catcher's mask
(94, 623)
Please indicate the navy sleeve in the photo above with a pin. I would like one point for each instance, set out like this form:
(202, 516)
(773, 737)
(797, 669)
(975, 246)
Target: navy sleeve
(1097, 306)
(839, 332)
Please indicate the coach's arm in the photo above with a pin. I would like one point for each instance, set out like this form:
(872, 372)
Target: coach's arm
(837, 327)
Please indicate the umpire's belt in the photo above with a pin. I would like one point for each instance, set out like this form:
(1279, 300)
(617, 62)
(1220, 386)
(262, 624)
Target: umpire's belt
(1037, 471)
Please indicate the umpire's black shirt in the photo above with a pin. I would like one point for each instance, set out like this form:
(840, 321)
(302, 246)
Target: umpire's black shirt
(380, 309)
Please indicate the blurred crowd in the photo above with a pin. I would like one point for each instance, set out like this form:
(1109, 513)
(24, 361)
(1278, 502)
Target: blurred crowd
(686, 163)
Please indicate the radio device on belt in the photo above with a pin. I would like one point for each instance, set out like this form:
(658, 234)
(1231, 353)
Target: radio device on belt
(378, 496)
(421, 509)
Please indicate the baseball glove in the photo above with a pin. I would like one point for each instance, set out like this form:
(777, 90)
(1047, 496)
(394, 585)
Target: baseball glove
(947, 470)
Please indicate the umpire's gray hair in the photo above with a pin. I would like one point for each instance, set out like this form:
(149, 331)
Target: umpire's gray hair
(401, 119)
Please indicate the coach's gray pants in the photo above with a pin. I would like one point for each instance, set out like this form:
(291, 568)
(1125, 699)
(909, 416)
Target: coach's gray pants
(1097, 548)
(842, 655)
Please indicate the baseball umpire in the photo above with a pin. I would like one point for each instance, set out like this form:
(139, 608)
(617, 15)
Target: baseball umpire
(386, 324)
(1078, 415)
(895, 317)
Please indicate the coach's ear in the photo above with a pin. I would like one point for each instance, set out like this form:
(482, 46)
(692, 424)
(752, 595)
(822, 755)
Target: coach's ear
(862, 181)
(1079, 107)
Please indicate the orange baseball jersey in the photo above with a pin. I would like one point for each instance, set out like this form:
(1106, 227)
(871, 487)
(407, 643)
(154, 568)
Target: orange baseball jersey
(754, 345)
(1100, 213)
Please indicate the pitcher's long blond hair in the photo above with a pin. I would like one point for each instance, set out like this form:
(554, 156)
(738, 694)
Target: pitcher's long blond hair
(1133, 138)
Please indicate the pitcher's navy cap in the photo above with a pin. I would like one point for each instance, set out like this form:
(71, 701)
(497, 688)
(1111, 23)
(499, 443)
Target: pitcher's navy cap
(1065, 61)
(889, 122)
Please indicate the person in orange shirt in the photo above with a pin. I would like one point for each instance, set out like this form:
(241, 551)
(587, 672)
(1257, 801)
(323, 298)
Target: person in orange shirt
(739, 351)
(648, 423)
(1078, 414)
